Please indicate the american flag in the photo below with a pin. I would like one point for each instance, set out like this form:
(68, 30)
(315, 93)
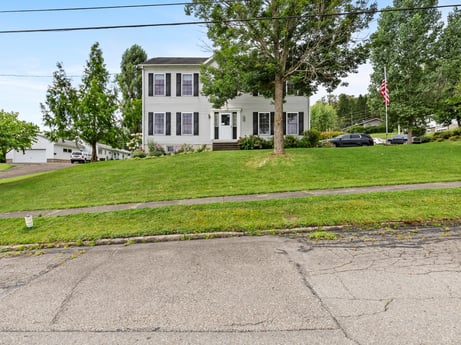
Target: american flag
(384, 92)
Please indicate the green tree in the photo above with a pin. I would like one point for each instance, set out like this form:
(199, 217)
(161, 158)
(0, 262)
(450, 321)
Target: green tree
(59, 110)
(130, 85)
(405, 43)
(15, 134)
(323, 117)
(447, 76)
(97, 104)
(87, 113)
(262, 44)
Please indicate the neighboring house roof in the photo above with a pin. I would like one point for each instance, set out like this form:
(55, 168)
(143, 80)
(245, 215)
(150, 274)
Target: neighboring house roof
(176, 61)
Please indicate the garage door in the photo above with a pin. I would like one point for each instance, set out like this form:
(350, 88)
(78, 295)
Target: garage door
(30, 156)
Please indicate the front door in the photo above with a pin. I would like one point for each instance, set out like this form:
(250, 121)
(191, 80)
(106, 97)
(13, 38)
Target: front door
(225, 126)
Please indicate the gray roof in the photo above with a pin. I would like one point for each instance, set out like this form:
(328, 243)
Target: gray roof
(176, 61)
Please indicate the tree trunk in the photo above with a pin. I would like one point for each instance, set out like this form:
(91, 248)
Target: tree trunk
(410, 135)
(94, 156)
(278, 118)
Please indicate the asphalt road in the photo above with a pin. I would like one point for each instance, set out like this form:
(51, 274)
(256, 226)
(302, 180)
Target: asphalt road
(21, 169)
(384, 287)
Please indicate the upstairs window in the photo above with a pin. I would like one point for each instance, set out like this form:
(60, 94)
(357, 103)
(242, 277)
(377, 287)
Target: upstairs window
(159, 85)
(187, 85)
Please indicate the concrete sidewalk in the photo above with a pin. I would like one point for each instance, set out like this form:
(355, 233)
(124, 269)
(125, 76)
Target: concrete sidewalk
(233, 198)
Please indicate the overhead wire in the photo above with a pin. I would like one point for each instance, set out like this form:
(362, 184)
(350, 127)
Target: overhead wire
(131, 26)
(93, 8)
(108, 27)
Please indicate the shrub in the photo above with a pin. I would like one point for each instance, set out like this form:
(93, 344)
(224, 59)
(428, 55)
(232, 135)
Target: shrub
(247, 143)
(313, 138)
(155, 150)
(185, 148)
(356, 129)
(138, 154)
(290, 141)
(255, 142)
(329, 135)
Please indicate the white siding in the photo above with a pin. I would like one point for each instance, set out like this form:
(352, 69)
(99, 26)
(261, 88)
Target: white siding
(244, 106)
(30, 156)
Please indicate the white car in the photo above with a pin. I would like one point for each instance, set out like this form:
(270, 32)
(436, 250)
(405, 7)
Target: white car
(379, 141)
(79, 157)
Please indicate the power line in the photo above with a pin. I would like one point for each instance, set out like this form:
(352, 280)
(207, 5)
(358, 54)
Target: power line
(133, 26)
(93, 8)
(41, 76)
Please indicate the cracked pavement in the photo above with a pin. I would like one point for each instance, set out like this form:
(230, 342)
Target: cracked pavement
(374, 287)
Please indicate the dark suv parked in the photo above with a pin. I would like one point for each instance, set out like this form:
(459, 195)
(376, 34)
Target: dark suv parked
(352, 139)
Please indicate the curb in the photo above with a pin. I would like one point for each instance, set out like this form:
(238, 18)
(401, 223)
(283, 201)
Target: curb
(169, 238)
(396, 226)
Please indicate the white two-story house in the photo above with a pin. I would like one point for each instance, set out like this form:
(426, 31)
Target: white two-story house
(176, 113)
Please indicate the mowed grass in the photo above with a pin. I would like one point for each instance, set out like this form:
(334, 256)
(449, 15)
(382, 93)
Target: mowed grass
(231, 173)
(361, 210)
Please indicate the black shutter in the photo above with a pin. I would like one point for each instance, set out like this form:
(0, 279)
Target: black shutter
(150, 83)
(216, 125)
(168, 123)
(196, 124)
(196, 84)
(272, 122)
(150, 126)
(255, 123)
(168, 84)
(284, 121)
(178, 84)
(301, 122)
(178, 123)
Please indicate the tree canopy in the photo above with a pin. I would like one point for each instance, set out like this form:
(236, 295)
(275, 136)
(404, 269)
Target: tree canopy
(447, 76)
(86, 113)
(130, 84)
(260, 45)
(15, 134)
(405, 42)
(323, 117)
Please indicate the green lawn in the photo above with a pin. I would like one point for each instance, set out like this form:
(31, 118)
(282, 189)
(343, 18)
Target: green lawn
(361, 210)
(231, 173)
(4, 166)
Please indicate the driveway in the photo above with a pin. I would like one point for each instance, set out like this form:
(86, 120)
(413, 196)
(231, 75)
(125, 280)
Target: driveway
(367, 288)
(20, 169)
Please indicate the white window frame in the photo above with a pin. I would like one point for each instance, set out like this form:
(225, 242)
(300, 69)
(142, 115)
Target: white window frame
(296, 123)
(183, 123)
(159, 89)
(159, 129)
(268, 114)
(187, 89)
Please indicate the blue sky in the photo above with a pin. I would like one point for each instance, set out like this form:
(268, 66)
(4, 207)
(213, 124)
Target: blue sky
(36, 54)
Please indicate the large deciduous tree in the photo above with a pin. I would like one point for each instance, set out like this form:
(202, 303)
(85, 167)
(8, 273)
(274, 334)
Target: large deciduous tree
(405, 43)
(447, 76)
(130, 85)
(87, 113)
(15, 134)
(259, 45)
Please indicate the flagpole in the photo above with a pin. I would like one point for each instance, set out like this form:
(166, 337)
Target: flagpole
(385, 78)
